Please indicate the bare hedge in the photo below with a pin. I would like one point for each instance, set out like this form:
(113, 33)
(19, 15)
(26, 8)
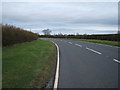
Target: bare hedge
(109, 37)
(13, 35)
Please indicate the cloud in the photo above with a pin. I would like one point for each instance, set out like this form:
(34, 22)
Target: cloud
(60, 1)
(62, 17)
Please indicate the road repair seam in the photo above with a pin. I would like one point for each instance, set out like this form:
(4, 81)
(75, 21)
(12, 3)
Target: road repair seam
(116, 60)
(93, 50)
(78, 45)
(57, 69)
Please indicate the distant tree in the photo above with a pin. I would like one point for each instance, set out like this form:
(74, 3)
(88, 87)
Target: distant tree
(77, 34)
(46, 31)
(60, 34)
(85, 34)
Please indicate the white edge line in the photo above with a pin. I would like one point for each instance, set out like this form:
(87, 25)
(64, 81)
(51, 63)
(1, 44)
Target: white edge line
(116, 60)
(57, 69)
(93, 50)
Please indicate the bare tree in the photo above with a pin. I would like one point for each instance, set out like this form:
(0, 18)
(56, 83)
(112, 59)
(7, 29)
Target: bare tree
(77, 34)
(60, 34)
(46, 31)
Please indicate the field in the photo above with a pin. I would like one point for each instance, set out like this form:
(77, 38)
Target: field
(28, 65)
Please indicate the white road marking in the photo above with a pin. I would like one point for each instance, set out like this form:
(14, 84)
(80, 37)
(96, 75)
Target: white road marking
(70, 42)
(93, 50)
(78, 45)
(57, 69)
(116, 60)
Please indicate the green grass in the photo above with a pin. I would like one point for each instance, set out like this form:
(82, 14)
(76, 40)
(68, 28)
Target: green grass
(28, 65)
(113, 43)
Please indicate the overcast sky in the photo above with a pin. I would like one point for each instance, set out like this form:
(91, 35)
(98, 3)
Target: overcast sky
(66, 17)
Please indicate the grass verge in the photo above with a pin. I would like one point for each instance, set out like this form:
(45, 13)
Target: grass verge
(28, 65)
(112, 43)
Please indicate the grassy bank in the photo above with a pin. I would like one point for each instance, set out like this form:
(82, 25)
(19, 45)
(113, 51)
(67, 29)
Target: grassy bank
(29, 64)
(113, 43)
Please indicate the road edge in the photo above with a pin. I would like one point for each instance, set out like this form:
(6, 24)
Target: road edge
(55, 86)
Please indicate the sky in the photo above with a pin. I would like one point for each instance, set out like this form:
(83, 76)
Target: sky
(63, 17)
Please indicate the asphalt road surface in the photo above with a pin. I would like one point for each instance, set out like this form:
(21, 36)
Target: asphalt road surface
(87, 65)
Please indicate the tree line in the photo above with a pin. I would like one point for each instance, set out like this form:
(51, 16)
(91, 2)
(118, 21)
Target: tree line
(109, 37)
(13, 35)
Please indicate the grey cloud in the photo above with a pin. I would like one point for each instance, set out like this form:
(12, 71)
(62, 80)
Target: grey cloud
(60, 15)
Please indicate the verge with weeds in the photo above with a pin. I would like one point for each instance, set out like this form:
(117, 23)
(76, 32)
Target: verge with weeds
(28, 65)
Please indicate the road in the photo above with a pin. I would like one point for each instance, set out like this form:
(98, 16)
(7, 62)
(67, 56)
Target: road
(87, 65)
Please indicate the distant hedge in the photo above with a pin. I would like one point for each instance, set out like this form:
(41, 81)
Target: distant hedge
(13, 35)
(109, 37)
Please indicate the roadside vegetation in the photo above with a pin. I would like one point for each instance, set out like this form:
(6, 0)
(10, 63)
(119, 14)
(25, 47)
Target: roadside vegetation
(28, 65)
(113, 43)
(13, 35)
(27, 62)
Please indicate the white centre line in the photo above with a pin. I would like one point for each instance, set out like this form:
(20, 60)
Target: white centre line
(116, 60)
(70, 42)
(93, 50)
(78, 45)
